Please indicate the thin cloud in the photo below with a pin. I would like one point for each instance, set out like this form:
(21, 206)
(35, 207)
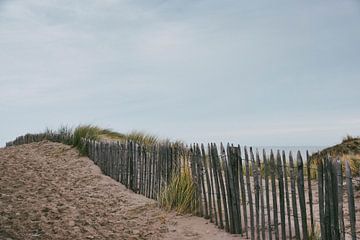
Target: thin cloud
(196, 70)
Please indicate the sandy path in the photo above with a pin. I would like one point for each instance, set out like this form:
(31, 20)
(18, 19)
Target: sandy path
(48, 192)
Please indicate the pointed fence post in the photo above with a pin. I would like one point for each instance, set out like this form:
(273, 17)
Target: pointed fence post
(242, 189)
(235, 174)
(229, 189)
(249, 194)
(233, 198)
(223, 191)
(255, 174)
(262, 206)
(340, 199)
(203, 171)
(293, 197)
(320, 174)
(274, 195)
(208, 187)
(267, 194)
(287, 193)
(212, 183)
(214, 161)
(281, 195)
(308, 166)
(335, 214)
(302, 195)
(327, 197)
(351, 200)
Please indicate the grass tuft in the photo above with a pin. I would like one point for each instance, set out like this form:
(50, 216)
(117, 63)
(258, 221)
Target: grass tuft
(347, 150)
(85, 131)
(66, 134)
(180, 194)
(349, 138)
(142, 138)
(316, 235)
(96, 133)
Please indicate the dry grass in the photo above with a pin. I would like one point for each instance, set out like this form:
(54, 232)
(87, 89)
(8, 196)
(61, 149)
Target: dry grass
(180, 194)
(74, 136)
(347, 150)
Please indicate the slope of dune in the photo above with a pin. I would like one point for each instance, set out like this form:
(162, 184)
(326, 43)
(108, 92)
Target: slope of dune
(47, 191)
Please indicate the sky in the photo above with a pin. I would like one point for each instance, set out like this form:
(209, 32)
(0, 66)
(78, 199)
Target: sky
(269, 73)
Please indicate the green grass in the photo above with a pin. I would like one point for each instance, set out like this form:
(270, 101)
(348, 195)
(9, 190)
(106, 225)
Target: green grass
(74, 136)
(180, 194)
(96, 133)
(67, 134)
(89, 132)
(347, 150)
(142, 138)
(316, 235)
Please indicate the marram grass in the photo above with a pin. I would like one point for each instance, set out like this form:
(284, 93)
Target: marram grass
(92, 132)
(347, 150)
(85, 132)
(316, 235)
(141, 137)
(180, 194)
(74, 136)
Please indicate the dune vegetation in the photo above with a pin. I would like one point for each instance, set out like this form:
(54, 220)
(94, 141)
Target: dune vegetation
(347, 150)
(178, 195)
(74, 136)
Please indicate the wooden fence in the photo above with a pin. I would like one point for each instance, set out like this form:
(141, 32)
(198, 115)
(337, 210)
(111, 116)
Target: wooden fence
(143, 169)
(258, 195)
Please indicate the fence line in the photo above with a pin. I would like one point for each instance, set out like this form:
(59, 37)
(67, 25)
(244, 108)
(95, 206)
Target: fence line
(238, 192)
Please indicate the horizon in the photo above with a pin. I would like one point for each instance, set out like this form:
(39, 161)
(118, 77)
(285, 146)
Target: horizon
(302, 148)
(254, 73)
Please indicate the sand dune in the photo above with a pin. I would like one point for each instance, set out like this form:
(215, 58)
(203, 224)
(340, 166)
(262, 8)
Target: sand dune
(47, 191)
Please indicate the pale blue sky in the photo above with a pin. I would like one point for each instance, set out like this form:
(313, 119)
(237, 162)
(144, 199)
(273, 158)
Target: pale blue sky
(249, 72)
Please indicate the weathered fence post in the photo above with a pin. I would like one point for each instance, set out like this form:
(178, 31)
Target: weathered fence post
(242, 188)
(194, 176)
(202, 170)
(261, 196)
(237, 174)
(328, 209)
(308, 166)
(198, 181)
(320, 173)
(351, 201)
(222, 186)
(118, 160)
(340, 199)
(287, 193)
(249, 194)
(302, 195)
(214, 161)
(154, 172)
(225, 165)
(267, 172)
(233, 198)
(209, 192)
(335, 215)
(213, 185)
(281, 195)
(234, 158)
(255, 174)
(293, 196)
(132, 166)
(274, 195)
(143, 170)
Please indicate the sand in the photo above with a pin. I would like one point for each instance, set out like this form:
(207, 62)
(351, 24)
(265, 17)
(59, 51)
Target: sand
(47, 191)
